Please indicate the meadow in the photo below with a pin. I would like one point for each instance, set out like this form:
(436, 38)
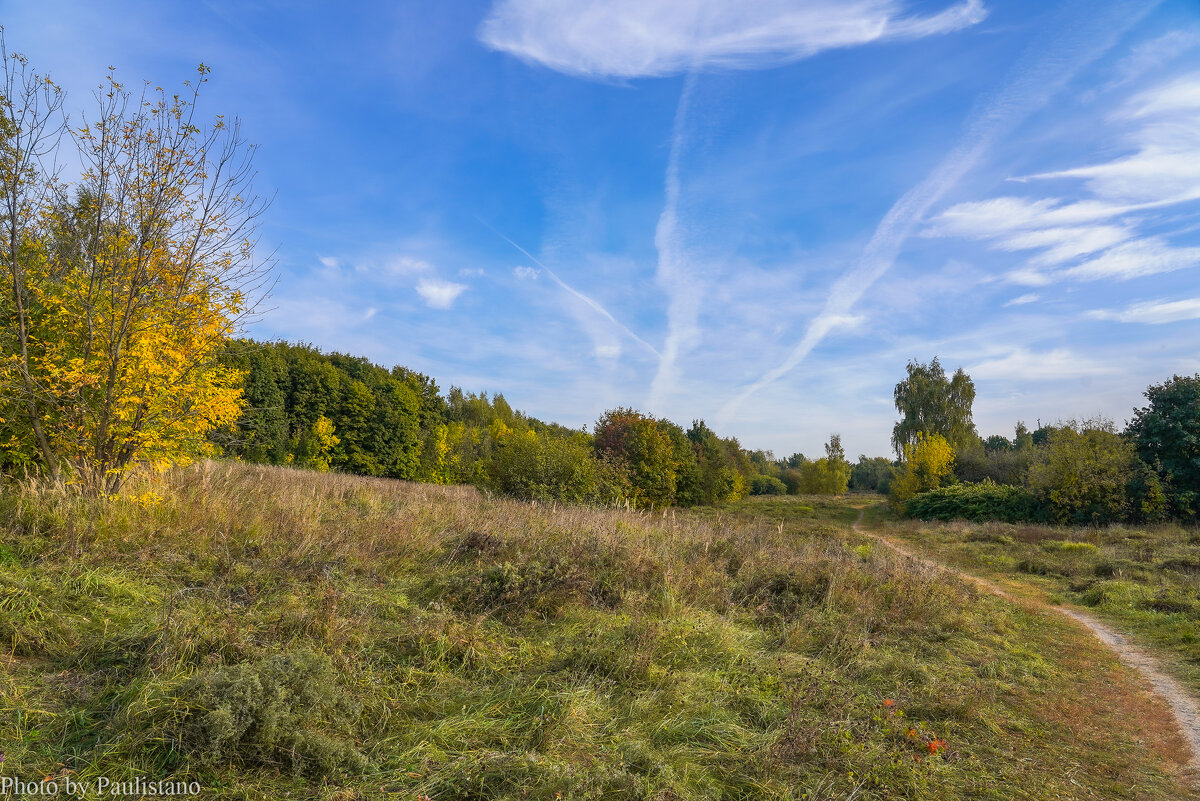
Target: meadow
(269, 633)
(1143, 580)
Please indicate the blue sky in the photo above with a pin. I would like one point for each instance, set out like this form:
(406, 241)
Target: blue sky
(754, 214)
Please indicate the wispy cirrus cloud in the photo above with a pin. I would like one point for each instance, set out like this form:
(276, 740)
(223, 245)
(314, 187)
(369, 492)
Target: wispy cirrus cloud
(1059, 364)
(649, 38)
(1148, 256)
(1022, 300)
(1101, 235)
(683, 290)
(1153, 53)
(591, 303)
(1044, 71)
(1153, 312)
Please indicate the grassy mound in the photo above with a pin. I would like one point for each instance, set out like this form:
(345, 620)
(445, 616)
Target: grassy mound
(268, 632)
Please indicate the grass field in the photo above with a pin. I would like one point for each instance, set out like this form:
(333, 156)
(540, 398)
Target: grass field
(269, 632)
(1144, 580)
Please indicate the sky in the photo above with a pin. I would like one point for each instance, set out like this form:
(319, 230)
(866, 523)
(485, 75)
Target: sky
(751, 213)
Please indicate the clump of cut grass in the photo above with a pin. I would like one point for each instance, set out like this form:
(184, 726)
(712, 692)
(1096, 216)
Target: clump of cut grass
(283, 710)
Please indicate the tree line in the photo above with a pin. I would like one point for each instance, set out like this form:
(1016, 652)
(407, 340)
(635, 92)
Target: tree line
(1082, 472)
(332, 411)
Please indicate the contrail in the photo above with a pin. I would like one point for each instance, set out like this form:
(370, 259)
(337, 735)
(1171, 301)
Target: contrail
(683, 292)
(1034, 80)
(591, 303)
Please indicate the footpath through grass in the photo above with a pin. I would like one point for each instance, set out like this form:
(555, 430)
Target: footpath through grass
(268, 632)
(1144, 580)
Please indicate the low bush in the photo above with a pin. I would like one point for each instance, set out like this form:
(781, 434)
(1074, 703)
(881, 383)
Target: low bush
(278, 711)
(767, 485)
(784, 593)
(534, 585)
(983, 501)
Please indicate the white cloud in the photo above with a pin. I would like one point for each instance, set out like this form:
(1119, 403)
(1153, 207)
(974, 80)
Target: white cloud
(406, 265)
(1162, 170)
(607, 351)
(439, 294)
(642, 38)
(1064, 244)
(1165, 165)
(1152, 54)
(1044, 70)
(1135, 259)
(1153, 312)
(369, 313)
(844, 320)
(1027, 276)
(329, 261)
(1025, 365)
(525, 273)
(987, 219)
(682, 288)
(1182, 94)
(1157, 174)
(1021, 300)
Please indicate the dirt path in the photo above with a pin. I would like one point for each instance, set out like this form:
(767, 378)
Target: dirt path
(1182, 705)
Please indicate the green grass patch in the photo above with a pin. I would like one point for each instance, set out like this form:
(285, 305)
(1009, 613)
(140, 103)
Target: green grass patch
(272, 633)
(1145, 580)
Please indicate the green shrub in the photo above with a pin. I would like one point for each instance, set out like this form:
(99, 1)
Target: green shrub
(1184, 563)
(1172, 601)
(514, 588)
(767, 485)
(1084, 473)
(275, 712)
(550, 467)
(1037, 567)
(978, 502)
(544, 586)
(1116, 567)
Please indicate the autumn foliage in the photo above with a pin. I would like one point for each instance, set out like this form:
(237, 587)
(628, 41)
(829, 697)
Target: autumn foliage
(123, 286)
(928, 465)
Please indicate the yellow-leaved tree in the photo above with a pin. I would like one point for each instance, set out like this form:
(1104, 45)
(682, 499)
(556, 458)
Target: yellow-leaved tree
(121, 286)
(928, 464)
